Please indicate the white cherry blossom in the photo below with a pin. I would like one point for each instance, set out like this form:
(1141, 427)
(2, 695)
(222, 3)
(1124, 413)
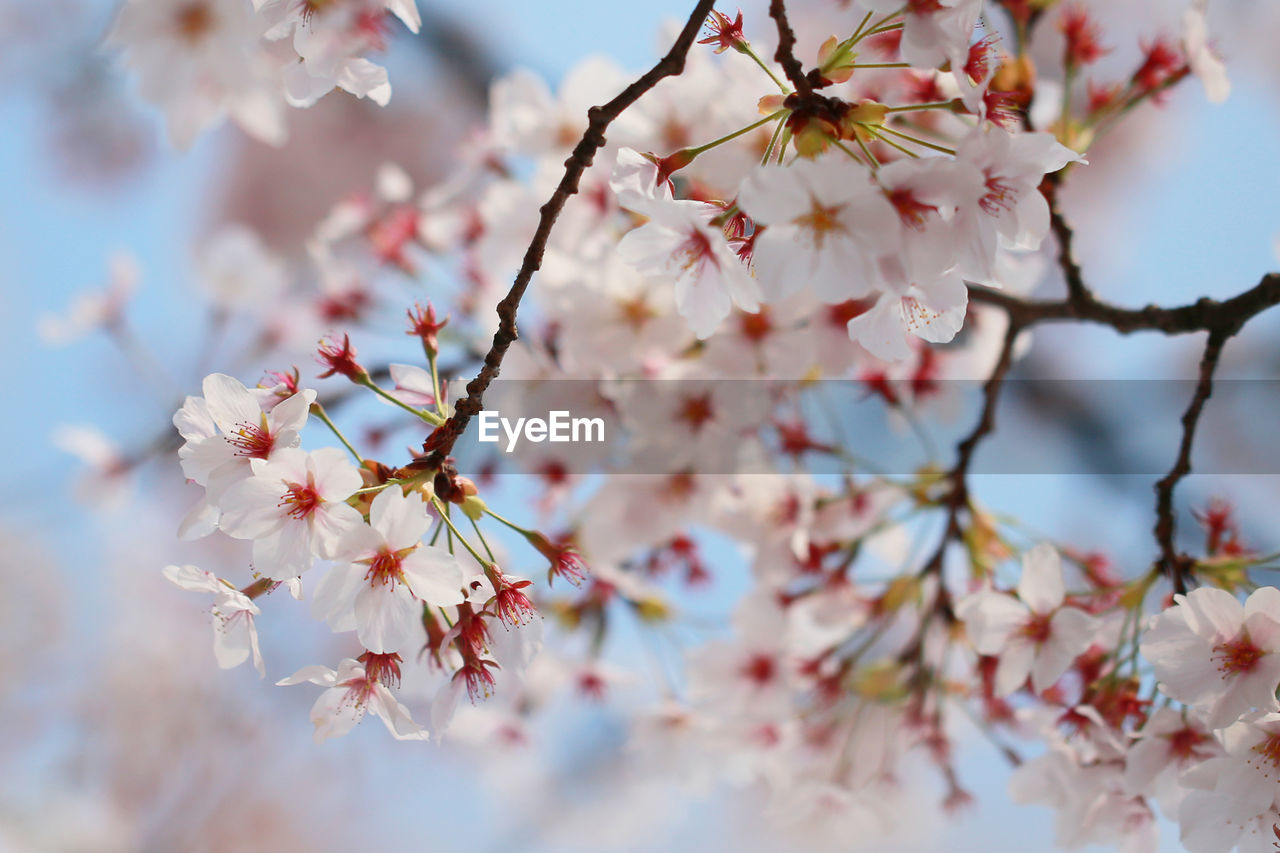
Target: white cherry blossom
(385, 575)
(1234, 800)
(1216, 654)
(825, 220)
(293, 508)
(1034, 634)
(235, 637)
(680, 243)
(350, 693)
(224, 431)
(1011, 211)
(200, 61)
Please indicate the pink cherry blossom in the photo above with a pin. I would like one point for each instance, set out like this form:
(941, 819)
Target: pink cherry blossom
(680, 243)
(350, 693)
(824, 221)
(385, 575)
(235, 638)
(1216, 654)
(293, 508)
(1033, 634)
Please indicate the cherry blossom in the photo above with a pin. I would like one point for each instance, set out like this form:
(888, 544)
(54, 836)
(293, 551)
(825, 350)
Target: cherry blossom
(1033, 634)
(351, 691)
(386, 573)
(1204, 62)
(201, 62)
(327, 38)
(1011, 211)
(235, 638)
(1168, 745)
(293, 508)
(824, 220)
(680, 243)
(95, 310)
(238, 271)
(742, 220)
(933, 28)
(1233, 801)
(224, 431)
(1216, 654)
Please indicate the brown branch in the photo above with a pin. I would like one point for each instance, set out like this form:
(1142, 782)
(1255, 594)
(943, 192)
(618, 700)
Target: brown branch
(957, 498)
(598, 120)
(785, 55)
(1203, 315)
(1221, 320)
(1077, 292)
(1174, 565)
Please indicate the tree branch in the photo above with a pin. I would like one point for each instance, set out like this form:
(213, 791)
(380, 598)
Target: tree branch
(1174, 565)
(1221, 320)
(785, 55)
(1203, 315)
(957, 498)
(598, 120)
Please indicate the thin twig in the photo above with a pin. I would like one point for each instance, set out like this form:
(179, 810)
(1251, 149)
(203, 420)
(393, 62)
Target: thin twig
(598, 120)
(957, 498)
(785, 55)
(1221, 320)
(1174, 565)
(1202, 315)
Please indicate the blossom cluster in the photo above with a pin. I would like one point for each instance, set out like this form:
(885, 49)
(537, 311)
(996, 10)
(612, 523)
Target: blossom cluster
(737, 223)
(204, 60)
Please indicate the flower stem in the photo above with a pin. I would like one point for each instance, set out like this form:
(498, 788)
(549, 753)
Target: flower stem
(444, 515)
(429, 417)
(319, 412)
(773, 140)
(694, 152)
(936, 105)
(887, 141)
(483, 541)
(944, 149)
(435, 380)
(746, 48)
(517, 528)
(857, 34)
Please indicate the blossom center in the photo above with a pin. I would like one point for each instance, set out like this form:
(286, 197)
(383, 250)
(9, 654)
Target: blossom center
(1238, 655)
(301, 500)
(310, 7)
(978, 64)
(999, 198)
(636, 312)
(358, 691)
(759, 670)
(252, 441)
(385, 567)
(695, 250)
(697, 411)
(1184, 742)
(841, 313)
(756, 327)
(1037, 628)
(820, 221)
(194, 21)
(1269, 749)
(911, 210)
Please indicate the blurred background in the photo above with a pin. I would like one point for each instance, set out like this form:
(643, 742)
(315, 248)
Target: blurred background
(122, 734)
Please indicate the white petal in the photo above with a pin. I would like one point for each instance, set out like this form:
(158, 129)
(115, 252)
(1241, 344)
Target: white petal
(1041, 584)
